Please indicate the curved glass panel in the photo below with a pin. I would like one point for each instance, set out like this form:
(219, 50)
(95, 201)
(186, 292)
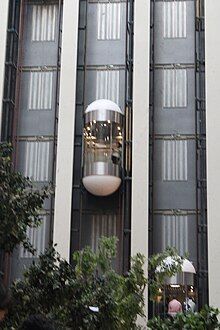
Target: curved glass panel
(102, 144)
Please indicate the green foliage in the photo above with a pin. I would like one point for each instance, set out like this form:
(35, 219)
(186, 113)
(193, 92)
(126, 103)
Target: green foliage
(20, 204)
(66, 293)
(157, 323)
(206, 319)
(160, 267)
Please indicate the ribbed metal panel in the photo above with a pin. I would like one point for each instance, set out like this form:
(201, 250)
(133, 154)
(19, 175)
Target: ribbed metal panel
(175, 88)
(37, 160)
(41, 90)
(44, 22)
(109, 21)
(102, 225)
(175, 160)
(175, 232)
(175, 19)
(37, 237)
(107, 85)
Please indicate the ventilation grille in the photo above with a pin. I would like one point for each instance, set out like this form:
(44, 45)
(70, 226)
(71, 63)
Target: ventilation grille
(44, 22)
(175, 160)
(175, 88)
(107, 85)
(109, 21)
(175, 19)
(102, 225)
(37, 237)
(175, 232)
(41, 90)
(37, 160)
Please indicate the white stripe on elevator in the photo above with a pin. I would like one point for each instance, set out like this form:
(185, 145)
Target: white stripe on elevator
(175, 160)
(107, 85)
(174, 19)
(37, 237)
(40, 90)
(109, 21)
(44, 22)
(175, 232)
(36, 162)
(102, 225)
(175, 88)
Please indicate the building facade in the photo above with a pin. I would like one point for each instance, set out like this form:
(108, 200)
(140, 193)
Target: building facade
(148, 57)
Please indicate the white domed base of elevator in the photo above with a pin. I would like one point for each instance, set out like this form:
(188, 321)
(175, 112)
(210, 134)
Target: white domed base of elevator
(101, 185)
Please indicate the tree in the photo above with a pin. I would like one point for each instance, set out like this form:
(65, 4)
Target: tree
(20, 205)
(88, 295)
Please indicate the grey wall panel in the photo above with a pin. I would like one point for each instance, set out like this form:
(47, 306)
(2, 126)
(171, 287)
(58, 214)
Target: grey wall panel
(102, 84)
(172, 120)
(179, 231)
(37, 121)
(22, 259)
(105, 35)
(99, 225)
(35, 159)
(38, 238)
(169, 21)
(40, 35)
(174, 194)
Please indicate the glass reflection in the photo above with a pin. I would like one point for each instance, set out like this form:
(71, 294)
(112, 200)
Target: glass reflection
(103, 142)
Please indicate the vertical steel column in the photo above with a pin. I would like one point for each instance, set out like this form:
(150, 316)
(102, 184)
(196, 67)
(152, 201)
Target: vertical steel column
(76, 217)
(201, 156)
(9, 106)
(53, 176)
(11, 69)
(127, 168)
(151, 128)
(151, 140)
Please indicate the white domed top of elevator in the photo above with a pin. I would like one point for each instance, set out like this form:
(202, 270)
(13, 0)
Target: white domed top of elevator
(103, 139)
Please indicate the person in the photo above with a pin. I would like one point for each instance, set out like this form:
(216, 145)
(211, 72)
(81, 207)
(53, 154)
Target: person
(116, 154)
(189, 305)
(37, 322)
(174, 307)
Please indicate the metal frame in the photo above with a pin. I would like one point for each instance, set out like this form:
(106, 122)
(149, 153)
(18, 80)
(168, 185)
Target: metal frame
(60, 12)
(202, 266)
(11, 69)
(14, 68)
(80, 208)
(151, 129)
(9, 102)
(78, 142)
(127, 168)
(200, 138)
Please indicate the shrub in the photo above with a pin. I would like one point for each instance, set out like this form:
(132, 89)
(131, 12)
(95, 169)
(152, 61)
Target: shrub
(206, 319)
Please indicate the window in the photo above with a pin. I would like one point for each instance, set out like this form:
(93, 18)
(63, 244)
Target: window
(44, 22)
(175, 88)
(107, 85)
(175, 160)
(40, 90)
(36, 162)
(109, 21)
(174, 19)
(175, 232)
(37, 237)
